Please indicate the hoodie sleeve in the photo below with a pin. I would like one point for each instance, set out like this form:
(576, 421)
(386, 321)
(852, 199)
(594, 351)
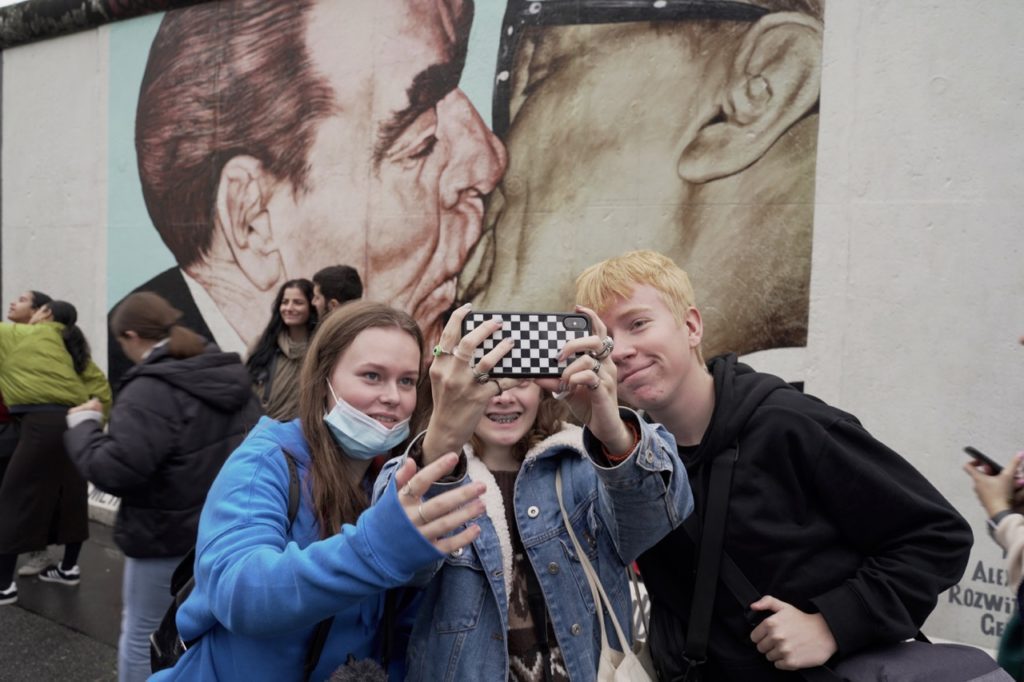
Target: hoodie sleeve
(646, 496)
(914, 544)
(258, 581)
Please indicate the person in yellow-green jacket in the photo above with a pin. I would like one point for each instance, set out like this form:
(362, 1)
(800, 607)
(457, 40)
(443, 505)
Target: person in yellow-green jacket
(45, 368)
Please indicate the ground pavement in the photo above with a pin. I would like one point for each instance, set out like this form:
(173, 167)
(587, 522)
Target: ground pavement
(57, 632)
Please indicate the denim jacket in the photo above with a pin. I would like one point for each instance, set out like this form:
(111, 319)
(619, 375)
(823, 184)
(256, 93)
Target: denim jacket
(462, 627)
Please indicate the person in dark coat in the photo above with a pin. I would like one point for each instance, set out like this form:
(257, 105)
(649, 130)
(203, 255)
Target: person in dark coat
(182, 409)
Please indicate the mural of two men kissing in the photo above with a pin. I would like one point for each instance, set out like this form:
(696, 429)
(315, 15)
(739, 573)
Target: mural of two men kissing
(276, 137)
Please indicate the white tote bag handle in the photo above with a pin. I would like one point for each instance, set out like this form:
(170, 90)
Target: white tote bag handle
(614, 666)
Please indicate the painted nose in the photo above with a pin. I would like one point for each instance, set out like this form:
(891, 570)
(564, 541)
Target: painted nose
(476, 159)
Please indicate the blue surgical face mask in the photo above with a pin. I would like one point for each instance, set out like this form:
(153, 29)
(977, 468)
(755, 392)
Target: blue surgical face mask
(362, 436)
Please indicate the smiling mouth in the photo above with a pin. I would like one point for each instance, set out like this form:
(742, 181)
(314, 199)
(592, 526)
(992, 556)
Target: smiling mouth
(504, 418)
(384, 419)
(623, 378)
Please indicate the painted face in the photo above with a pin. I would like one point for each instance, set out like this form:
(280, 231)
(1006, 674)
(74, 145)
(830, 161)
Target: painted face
(20, 309)
(318, 302)
(652, 352)
(577, 90)
(294, 307)
(398, 173)
(594, 152)
(377, 375)
(509, 416)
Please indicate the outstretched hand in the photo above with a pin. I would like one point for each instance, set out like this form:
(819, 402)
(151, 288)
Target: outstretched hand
(790, 638)
(440, 515)
(589, 385)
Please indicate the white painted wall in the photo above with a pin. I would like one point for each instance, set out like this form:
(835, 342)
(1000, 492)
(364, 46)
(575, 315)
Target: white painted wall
(54, 175)
(917, 284)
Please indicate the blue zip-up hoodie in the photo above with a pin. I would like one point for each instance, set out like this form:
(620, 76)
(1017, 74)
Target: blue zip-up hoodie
(262, 588)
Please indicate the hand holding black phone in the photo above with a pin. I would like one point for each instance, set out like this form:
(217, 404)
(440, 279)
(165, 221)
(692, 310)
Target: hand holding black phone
(994, 467)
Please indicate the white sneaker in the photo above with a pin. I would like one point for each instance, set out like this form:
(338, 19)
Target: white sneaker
(10, 595)
(35, 563)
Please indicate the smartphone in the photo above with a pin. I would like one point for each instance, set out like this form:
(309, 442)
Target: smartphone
(977, 454)
(539, 338)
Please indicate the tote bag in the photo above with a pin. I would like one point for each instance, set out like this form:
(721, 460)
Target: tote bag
(631, 665)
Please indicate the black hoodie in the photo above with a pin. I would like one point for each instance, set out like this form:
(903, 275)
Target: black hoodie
(171, 428)
(821, 515)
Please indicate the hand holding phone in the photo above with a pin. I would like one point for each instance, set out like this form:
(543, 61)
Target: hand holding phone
(538, 337)
(994, 467)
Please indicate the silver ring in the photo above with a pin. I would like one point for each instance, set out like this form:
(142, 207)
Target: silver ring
(595, 386)
(419, 510)
(458, 354)
(480, 377)
(407, 490)
(500, 389)
(607, 346)
(597, 366)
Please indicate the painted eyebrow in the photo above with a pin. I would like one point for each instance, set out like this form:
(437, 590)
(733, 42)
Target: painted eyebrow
(429, 87)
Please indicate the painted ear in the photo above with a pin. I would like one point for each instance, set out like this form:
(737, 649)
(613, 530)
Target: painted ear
(775, 79)
(242, 194)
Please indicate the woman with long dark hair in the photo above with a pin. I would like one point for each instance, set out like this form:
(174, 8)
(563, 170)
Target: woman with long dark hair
(275, 360)
(181, 410)
(264, 584)
(45, 368)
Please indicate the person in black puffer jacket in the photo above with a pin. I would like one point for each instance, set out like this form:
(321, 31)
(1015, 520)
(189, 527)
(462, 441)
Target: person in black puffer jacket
(181, 411)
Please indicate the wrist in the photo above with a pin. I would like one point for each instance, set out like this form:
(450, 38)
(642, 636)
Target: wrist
(624, 447)
(995, 519)
(996, 507)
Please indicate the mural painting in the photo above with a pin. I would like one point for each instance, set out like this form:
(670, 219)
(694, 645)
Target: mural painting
(274, 138)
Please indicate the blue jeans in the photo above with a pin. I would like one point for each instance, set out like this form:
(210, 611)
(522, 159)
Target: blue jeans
(146, 593)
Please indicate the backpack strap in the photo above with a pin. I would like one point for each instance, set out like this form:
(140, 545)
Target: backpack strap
(709, 557)
(323, 628)
(294, 493)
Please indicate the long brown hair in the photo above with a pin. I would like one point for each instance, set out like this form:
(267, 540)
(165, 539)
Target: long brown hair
(151, 317)
(551, 414)
(337, 495)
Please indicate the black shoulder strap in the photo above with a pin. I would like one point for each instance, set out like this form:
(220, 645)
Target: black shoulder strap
(294, 494)
(709, 557)
(323, 628)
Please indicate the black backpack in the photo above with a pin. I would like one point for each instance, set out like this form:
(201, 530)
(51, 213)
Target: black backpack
(166, 645)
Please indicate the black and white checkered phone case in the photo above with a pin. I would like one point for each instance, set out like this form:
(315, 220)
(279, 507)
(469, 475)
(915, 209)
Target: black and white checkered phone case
(538, 337)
